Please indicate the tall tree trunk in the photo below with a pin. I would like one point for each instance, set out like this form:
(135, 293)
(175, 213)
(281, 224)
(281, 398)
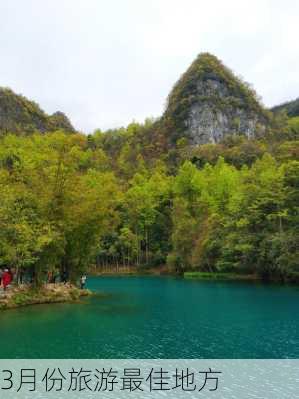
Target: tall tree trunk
(146, 247)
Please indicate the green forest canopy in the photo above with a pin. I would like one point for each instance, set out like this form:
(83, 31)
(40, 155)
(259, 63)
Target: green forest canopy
(121, 198)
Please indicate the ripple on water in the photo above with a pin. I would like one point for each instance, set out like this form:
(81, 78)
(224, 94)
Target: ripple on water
(159, 317)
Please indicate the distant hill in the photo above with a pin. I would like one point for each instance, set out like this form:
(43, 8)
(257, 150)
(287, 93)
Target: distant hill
(291, 108)
(209, 102)
(22, 116)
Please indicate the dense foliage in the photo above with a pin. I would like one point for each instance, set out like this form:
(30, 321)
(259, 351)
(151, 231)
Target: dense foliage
(291, 108)
(69, 201)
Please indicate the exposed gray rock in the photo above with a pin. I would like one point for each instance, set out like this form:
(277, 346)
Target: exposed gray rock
(216, 114)
(209, 102)
(207, 124)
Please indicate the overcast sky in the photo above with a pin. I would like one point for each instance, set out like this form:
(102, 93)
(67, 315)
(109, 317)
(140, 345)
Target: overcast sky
(107, 62)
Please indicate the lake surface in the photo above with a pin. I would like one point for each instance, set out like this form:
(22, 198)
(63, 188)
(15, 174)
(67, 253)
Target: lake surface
(159, 317)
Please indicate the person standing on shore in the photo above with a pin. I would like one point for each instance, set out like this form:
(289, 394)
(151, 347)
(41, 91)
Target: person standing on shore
(82, 282)
(64, 277)
(6, 278)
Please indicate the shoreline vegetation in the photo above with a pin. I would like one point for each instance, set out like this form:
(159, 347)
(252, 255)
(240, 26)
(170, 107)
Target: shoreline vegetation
(198, 275)
(25, 295)
(221, 276)
(50, 293)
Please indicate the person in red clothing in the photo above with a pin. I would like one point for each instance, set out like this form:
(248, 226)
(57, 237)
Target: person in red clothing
(6, 279)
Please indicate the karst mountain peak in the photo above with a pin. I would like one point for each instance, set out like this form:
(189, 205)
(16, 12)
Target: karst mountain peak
(209, 102)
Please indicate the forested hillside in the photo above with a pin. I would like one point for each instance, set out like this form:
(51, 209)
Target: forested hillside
(21, 116)
(133, 197)
(291, 108)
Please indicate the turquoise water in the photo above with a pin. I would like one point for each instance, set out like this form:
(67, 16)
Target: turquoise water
(159, 317)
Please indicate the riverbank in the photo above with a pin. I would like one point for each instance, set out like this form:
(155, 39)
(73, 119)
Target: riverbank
(291, 279)
(198, 275)
(221, 276)
(49, 293)
(164, 271)
(132, 271)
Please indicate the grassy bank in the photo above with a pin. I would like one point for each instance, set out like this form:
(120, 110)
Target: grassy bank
(50, 293)
(164, 270)
(131, 271)
(292, 278)
(220, 276)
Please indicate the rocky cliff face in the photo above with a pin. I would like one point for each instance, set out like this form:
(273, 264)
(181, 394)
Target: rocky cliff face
(210, 102)
(21, 116)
